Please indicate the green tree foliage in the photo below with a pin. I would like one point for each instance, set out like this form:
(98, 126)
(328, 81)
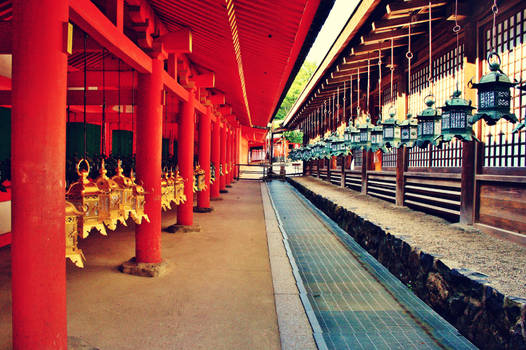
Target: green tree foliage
(294, 136)
(299, 83)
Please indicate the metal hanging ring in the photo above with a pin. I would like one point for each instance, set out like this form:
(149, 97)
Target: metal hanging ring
(456, 28)
(409, 55)
(494, 9)
(80, 162)
(493, 54)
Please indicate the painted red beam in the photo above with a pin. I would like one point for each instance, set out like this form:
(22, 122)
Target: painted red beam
(91, 20)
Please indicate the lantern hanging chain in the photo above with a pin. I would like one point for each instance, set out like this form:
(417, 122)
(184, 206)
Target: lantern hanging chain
(380, 83)
(119, 95)
(430, 76)
(133, 105)
(85, 88)
(344, 120)
(456, 30)
(392, 70)
(368, 83)
(338, 106)
(358, 110)
(409, 55)
(495, 11)
(103, 127)
(350, 101)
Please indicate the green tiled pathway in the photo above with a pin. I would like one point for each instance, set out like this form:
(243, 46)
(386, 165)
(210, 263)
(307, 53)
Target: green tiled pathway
(357, 303)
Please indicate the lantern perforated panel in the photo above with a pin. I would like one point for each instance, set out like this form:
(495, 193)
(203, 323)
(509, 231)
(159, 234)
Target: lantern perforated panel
(501, 147)
(445, 66)
(358, 155)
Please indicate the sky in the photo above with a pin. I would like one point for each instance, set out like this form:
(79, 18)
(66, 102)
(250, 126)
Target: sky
(337, 18)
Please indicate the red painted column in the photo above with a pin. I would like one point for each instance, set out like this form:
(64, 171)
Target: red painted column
(228, 156)
(185, 156)
(232, 143)
(149, 153)
(216, 148)
(203, 197)
(38, 161)
(222, 159)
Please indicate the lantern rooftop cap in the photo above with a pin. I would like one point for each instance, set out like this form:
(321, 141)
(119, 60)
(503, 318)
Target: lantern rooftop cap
(457, 101)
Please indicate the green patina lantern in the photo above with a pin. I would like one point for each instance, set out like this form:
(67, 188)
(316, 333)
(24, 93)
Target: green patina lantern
(377, 138)
(355, 138)
(392, 130)
(456, 116)
(408, 131)
(429, 126)
(349, 138)
(338, 145)
(327, 151)
(365, 134)
(494, 97)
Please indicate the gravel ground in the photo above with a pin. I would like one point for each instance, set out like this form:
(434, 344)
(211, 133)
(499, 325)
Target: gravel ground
(458, 246)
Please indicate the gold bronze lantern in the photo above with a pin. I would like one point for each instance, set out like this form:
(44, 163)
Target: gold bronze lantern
(109, 199)
(180, 197)
(138, 214)
(199, 175)
(73, 252)
(167, 192)
(125, 185)
(85, 194)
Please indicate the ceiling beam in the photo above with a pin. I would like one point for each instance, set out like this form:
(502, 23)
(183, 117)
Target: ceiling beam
(394, 23)
(366, 49)
(404, 7)
(376, 38)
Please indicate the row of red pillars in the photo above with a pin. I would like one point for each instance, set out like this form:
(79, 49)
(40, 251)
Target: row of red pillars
(38, 163)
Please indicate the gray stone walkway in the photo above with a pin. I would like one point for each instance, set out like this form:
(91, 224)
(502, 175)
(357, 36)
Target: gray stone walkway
(357, 303)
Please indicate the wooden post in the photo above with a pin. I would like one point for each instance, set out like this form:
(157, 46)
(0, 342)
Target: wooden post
(342, 182)
(318, 166)
(366, 159)
(469, 148)
(467, 182)
(402, 156)
(329, 170)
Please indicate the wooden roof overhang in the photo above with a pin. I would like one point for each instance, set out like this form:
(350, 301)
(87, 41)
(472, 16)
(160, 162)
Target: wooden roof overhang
(239, 53)
(367, 35)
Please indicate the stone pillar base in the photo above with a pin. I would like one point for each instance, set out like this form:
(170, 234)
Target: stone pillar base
(202, 210)
(223, 191)
(75, 343)
(183, 228)
(132, 267)
(216, 199)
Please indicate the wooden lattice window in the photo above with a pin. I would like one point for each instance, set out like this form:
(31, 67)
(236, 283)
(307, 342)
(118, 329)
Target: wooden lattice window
(389, 159)
(445, 67)
(501, 147)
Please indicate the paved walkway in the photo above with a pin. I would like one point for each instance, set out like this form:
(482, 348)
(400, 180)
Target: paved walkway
(217, 293)
(357, 303)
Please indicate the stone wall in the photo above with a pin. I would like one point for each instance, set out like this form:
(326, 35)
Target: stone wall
(482, 314)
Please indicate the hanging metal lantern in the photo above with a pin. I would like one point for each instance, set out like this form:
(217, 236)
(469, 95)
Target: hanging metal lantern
(391, 131)
(125, 184)
(180, 196)
(456, 119)
(199, 176)
(338, 145)
(167, 192)
(377, 139)
(408, 131)
(428, 123)
(138, 214)
(212, 173)
(73, 218)
(365, 134)
(355, 138)
(85, 194)
(109, 199)
(494, 98)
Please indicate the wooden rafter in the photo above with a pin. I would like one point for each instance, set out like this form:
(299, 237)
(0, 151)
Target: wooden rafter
(375, 38)
(401, 8)
(384, 25)
(367, 49)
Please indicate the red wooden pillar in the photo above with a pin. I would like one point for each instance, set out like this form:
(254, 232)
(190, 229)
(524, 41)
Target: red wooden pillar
(38, 162)
(222, 159)
(149, 153)
(203, 197)
(216, 147)
(185, 156)
(229, 156)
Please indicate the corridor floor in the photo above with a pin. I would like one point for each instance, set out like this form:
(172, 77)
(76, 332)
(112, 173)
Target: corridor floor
(357, 303)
